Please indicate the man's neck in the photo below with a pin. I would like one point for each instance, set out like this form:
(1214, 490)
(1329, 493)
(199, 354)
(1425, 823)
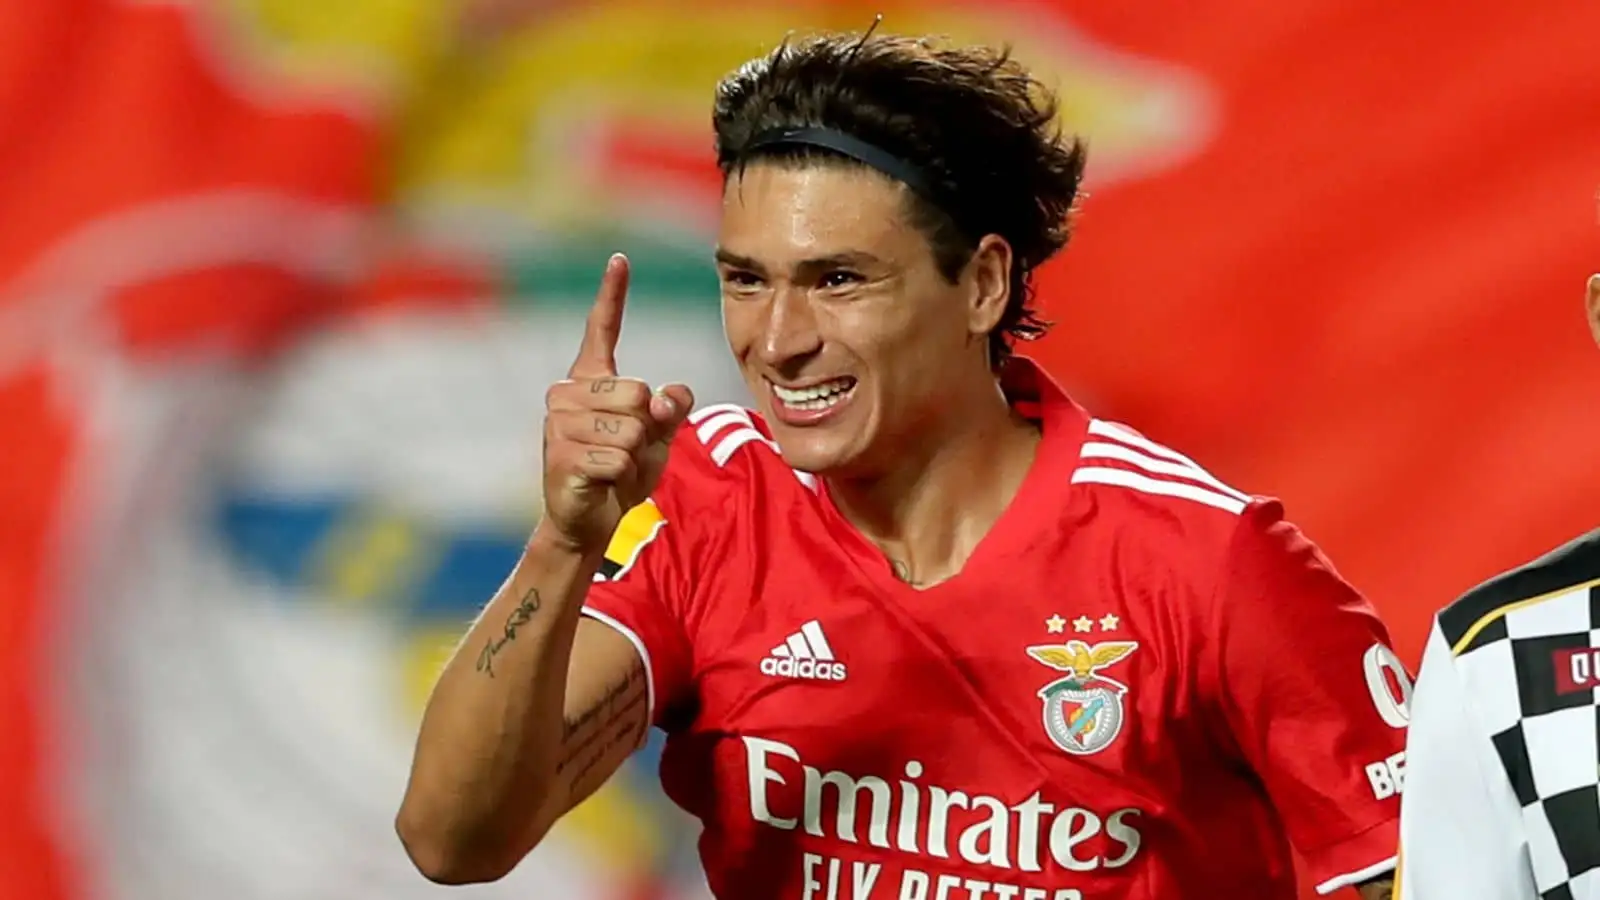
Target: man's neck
(930, 510)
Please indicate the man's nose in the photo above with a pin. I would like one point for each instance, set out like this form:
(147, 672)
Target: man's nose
(790, 328)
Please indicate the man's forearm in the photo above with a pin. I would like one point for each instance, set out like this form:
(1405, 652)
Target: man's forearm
(492, 734)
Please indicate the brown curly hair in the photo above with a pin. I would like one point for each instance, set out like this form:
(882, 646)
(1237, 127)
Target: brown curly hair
(978, 125)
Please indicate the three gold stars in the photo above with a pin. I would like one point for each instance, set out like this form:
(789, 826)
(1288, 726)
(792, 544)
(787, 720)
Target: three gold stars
(1082, 624)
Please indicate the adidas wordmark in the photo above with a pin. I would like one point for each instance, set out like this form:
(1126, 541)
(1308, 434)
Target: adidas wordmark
(805, 654)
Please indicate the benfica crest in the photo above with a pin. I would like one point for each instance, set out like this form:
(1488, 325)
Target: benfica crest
(1083, 711)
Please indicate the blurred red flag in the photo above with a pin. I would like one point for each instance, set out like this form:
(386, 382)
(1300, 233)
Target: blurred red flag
(1363, 295)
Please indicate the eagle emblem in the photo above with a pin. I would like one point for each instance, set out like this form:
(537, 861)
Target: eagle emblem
(1083, 711)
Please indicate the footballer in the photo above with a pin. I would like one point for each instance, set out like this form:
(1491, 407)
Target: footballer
(1505, 804)
(917, 625)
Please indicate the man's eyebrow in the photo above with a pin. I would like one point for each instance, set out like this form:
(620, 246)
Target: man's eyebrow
(735, 261)
(843, 259)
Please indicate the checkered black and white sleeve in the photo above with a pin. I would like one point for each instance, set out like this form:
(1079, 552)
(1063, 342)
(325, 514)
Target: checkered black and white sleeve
(1460, 822)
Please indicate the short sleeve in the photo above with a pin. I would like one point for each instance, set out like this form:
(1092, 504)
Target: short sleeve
(639, 590)
(1460, 824)
(1314, 698)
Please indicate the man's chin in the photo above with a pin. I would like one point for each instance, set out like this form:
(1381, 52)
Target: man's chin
(820, 455)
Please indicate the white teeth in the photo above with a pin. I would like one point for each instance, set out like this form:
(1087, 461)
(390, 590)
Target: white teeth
(818, 396)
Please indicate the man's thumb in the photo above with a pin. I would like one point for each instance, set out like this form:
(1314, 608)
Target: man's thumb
(669, 408)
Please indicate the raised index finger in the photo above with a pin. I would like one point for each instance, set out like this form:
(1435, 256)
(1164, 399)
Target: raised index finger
(597, 355)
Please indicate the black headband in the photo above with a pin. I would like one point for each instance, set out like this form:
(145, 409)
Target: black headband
(848, 145)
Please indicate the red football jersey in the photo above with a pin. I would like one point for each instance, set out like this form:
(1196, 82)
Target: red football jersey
(1143, 684)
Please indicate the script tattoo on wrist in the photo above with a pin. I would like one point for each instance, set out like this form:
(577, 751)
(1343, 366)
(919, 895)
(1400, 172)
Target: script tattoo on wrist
(519, 617)
(614, 725)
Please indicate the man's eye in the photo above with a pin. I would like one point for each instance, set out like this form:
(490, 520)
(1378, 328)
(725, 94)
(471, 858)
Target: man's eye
(839, 278)
(741, 279)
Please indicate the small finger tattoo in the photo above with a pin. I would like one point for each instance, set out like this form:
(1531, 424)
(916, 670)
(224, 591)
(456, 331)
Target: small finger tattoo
(608, 426)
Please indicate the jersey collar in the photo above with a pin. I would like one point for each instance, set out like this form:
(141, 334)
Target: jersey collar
(1040, 398)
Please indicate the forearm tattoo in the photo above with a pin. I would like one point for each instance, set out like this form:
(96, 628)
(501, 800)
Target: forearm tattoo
(611, 728)
(519, 617)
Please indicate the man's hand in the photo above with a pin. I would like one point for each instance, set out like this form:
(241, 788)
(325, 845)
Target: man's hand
(605, 437)
(1377, 889)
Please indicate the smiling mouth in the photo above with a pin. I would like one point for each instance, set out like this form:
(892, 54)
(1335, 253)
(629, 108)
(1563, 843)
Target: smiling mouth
(817, 397)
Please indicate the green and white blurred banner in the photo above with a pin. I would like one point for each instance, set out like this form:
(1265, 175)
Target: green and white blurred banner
(298, 549)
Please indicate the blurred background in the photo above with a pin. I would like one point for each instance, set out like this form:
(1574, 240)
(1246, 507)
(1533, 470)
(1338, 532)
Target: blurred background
(282, 283)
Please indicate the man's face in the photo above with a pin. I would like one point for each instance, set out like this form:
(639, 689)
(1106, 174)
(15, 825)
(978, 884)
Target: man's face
(851, 341)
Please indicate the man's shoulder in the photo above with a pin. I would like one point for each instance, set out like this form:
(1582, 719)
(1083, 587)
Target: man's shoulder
(1157, 516)
(1479, 617)
(1140, 486)
(723, 451)
(722, 460)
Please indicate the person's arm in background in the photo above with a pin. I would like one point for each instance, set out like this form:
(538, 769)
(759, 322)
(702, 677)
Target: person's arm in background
(539, 705)
(1460, 823)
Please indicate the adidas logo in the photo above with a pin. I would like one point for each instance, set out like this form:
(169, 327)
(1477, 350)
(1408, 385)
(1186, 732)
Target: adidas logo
(805, 654)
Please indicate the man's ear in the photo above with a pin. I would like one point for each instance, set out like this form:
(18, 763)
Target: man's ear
(989, 273)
